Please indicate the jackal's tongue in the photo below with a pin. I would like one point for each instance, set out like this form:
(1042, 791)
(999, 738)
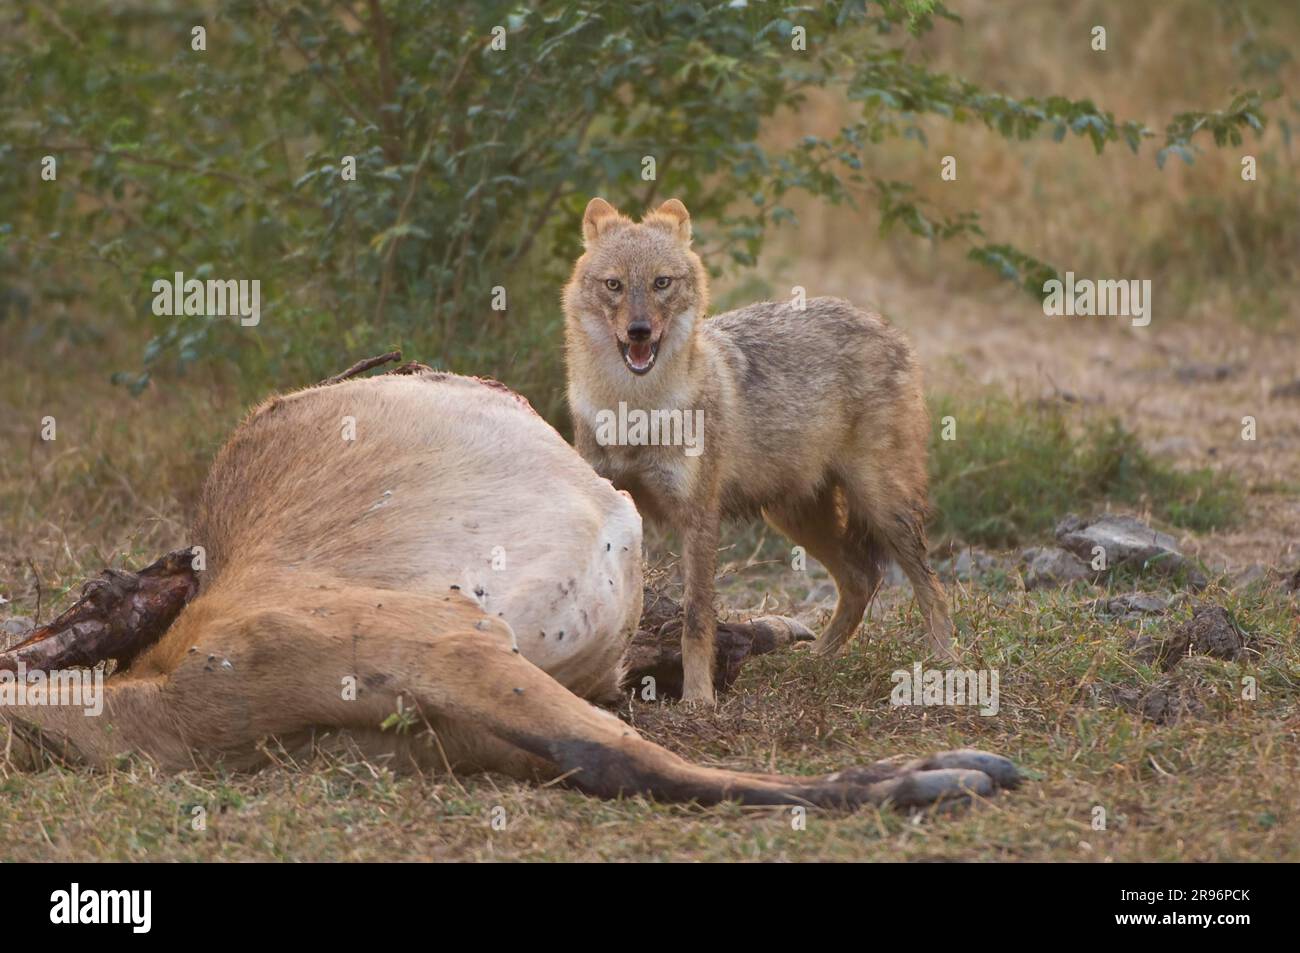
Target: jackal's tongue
(638, 353)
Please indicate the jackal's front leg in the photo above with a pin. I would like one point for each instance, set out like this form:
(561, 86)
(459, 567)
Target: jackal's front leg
(700, 562)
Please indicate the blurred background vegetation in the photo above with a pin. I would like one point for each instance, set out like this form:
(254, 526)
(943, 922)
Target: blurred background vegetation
(473, 164)
(816, 168)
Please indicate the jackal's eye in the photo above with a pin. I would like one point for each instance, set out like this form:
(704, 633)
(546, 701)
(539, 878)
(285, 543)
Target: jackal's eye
(613, 284)
(662, 282)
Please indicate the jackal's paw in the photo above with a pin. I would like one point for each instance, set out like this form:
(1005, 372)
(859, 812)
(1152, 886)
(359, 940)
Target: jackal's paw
(941, 778)
(948, 654)
(698, 695)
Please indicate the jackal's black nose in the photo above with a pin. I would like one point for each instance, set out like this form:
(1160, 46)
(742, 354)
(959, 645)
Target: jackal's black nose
(639, 331)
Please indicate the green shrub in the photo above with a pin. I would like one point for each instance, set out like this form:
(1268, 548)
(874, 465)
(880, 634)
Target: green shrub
(1014, 470)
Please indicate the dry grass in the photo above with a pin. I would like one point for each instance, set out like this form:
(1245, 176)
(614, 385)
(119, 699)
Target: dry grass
(1215, 786)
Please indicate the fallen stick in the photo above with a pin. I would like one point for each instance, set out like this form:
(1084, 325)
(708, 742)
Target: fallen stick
(360, 367)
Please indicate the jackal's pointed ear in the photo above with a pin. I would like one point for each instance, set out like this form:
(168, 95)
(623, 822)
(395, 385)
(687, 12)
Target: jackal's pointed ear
(672, 217)
(598, 217)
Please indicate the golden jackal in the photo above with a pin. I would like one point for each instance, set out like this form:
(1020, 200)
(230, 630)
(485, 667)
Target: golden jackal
(813, 417)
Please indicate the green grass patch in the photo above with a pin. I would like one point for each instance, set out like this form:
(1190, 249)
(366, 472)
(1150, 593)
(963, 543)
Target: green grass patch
(1013, 470)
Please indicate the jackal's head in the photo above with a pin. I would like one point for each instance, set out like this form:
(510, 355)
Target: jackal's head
(638, 289)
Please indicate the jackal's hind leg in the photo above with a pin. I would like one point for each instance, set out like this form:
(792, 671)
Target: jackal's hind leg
(823, 527)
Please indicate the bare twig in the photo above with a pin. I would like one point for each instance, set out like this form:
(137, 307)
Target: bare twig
(36, 576)
(583, 121)
(322, 76)
(385, 279)
(387, 85)
(52, 18)
(245, 181)
(360, 367)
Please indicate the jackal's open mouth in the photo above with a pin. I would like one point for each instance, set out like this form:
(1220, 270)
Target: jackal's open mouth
(639, 356)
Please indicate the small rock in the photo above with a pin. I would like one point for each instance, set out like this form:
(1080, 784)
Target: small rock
(1290, 389)
(1210, 631)
(1166, 652)
(1051, 566)
(1168, 700)
(1054, 395)
(1126, 540)
(13, 630)
(824, 591)
(1131, 604)
(1205, 373)
(967, 565)
(1253, 573)
(17, 625)
(1123, 537)
(1173, 446)
(1213, 632)
(1144, 648)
